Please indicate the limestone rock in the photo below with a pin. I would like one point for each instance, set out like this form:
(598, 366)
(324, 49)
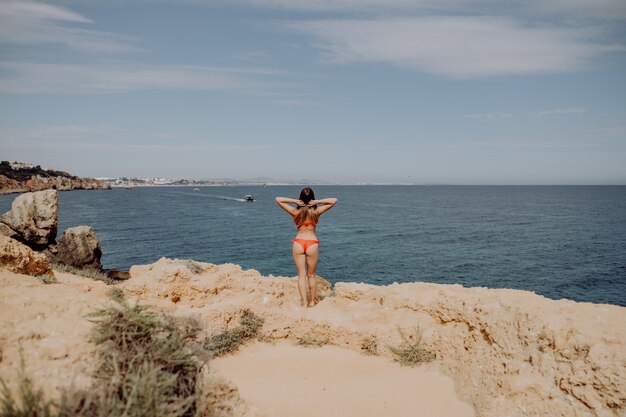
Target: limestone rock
(323, 288)
(7, 231)
(119, 275)
(79, 247)
(34, 216)
(19, 258)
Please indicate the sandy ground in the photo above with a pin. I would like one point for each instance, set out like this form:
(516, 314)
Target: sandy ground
(46, 326)
(284, 380)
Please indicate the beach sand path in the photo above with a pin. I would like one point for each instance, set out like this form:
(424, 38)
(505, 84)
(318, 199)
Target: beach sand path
(284, 380)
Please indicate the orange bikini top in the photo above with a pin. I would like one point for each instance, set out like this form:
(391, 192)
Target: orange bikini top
(307, 223)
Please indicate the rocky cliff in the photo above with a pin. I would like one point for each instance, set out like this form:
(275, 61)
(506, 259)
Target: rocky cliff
(20, 178)
(510, 353)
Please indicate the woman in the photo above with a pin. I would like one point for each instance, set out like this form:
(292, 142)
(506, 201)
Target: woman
(305, 244)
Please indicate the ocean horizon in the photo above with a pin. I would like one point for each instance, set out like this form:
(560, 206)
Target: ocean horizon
(558, 241)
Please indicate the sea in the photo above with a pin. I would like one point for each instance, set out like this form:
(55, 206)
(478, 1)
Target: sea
(558, 241)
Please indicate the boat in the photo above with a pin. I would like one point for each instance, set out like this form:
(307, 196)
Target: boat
(196, 189)
(248, 197)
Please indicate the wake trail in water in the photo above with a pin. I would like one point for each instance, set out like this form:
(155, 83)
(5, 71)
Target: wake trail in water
(220, 197)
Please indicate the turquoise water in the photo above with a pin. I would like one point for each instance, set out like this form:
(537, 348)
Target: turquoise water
(561, 241)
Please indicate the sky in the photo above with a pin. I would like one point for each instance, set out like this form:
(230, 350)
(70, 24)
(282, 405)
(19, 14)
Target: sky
(345, 91)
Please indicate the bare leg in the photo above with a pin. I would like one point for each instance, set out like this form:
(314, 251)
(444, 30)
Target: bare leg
(299, 257)
(311, 261)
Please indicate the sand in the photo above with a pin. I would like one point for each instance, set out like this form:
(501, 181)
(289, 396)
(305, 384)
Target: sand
(284, 380)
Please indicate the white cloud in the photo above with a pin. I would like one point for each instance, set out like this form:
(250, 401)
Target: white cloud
(26, 22)
(564, 110)
(459, 47)
(57, 78)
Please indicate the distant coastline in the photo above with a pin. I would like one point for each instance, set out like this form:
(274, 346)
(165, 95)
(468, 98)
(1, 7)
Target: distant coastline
(19, 177)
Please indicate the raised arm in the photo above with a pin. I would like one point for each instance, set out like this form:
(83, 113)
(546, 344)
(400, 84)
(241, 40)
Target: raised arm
(326, 204)
(284, 202)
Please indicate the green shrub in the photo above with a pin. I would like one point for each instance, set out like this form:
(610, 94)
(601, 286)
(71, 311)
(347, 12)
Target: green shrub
(146, 367)
(229, 341)
(409, 352)
(83, 272)
(30, 401)
(116, 294)
(144, 352)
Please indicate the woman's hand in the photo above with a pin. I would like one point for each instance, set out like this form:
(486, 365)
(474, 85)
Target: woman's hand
(326, 204)
(300, 203)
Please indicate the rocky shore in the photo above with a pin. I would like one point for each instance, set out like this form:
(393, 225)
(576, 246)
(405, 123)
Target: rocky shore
(495, 352)
(20, 178)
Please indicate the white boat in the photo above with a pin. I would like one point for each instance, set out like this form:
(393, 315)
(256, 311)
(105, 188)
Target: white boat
(196, 189)
(248, 197)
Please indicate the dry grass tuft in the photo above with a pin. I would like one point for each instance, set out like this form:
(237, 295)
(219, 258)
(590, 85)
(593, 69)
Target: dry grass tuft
(231, 340)
(312, 340)
(193, 266)
(47, 279)
(30, 401)
(84, 272)
(409, 352)
(146, 367)
(116, 294)
(369, 346)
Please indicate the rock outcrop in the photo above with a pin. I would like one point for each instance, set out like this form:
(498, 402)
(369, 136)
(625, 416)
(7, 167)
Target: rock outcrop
(34, 218)
(7, 231)
(19, 258)
(118, 275)
(21, 178)
(511, 353)
(79, 247)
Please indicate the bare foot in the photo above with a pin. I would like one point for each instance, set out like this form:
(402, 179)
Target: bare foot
(302, 303)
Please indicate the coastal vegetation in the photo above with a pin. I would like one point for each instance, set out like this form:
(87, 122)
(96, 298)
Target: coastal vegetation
(410, 352)
(312, 340)
(83, 272)
(147, 365)
(230, 341)
(369, 346)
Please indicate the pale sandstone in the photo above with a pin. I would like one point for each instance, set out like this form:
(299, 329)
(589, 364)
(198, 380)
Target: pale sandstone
(7, 231)
(509, 353)
(34, 216)
(47, 323)
(19, 258)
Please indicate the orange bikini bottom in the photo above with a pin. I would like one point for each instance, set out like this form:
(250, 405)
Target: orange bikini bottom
(305, 243)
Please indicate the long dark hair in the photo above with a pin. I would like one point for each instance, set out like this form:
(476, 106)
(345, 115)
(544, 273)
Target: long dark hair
(306, 213)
